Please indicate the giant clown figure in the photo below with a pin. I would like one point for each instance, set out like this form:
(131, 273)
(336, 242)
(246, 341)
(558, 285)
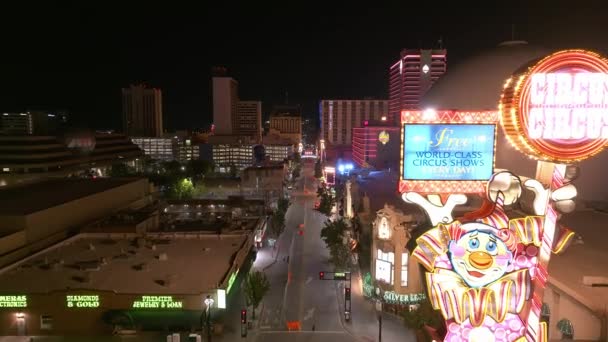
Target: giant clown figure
(481, 269)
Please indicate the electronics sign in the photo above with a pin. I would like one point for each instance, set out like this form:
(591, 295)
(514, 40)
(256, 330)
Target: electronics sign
(452, 152)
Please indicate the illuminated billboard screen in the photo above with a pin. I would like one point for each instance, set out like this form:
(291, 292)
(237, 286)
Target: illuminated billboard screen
(453, 152)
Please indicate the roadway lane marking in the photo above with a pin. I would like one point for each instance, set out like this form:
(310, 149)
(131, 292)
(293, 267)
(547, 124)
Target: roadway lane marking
(309, 314)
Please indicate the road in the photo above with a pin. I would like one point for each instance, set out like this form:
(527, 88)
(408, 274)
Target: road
(304, 298)
(298, 295)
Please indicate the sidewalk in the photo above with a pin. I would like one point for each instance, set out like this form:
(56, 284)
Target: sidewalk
(364, 319)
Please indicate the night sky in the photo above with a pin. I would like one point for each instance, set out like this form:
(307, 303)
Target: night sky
(77, 57)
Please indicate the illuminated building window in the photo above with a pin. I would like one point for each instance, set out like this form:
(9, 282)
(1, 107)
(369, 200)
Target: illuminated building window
(46, 322)
(404, 260)
(384, 266)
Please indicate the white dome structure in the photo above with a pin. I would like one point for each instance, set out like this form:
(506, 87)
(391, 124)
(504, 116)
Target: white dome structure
(476, 85)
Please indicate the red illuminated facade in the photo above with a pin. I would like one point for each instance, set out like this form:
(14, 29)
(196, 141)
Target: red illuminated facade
(411, 77)
(368, 139)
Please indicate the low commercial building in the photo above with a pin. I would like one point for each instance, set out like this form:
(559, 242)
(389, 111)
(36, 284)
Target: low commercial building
(266, 179)
(35, 216)
(100, 283)
(577, 291)
(228, 215)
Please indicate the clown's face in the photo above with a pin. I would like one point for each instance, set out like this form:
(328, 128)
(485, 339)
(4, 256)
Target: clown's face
(479, 257)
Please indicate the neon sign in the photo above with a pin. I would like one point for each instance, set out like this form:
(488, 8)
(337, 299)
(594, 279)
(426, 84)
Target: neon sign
(231, 280)
(558, 109)
(383, 137)
(568, 106)
(157, 302)
(448, 152)
(392, 297)
(13, 301)
(78, 301)
(447, 117)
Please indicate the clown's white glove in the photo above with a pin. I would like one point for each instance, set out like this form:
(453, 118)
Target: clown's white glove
(563, 197)
(541, 196)
(437, 214)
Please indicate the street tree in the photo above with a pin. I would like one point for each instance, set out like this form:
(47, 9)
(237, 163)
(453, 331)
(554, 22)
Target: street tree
(296, 173)
(256, 286)
(333, 232)
(182, 189)
(297, 157)
(318, 169)
(326, 201)
(340, 257)
(283, 205)
(425, 320)
(277, 224)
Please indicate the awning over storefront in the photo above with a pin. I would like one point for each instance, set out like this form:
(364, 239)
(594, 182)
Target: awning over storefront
(154, 319)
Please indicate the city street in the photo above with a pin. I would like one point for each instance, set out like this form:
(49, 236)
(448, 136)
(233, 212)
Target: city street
(297, 293)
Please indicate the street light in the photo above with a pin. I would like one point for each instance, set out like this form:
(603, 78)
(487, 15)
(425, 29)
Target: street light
(209, 303)
(379, 312)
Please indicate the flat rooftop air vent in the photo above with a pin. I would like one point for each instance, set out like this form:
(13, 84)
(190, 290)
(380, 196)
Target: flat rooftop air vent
(595, 281)
(163, 282)
(81, 279)
(140, 267)
(89, 265)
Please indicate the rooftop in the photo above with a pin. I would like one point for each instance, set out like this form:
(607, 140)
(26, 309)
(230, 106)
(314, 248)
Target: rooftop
(124, 263)
(30, 198)
(586, 259)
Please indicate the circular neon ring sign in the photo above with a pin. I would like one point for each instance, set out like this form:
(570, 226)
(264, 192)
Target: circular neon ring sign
(557, 110)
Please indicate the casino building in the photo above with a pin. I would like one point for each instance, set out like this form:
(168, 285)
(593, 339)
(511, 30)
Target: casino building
(376, 144)
(576, 296)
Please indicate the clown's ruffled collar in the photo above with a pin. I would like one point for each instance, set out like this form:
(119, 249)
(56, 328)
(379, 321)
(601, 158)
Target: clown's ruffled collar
(457, 301)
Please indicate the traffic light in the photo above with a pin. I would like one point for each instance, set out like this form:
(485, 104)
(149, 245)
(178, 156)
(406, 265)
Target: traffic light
(321, 275)
(347, 293)
(243, 316)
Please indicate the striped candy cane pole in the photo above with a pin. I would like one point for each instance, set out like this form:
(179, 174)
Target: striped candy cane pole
(535, 332)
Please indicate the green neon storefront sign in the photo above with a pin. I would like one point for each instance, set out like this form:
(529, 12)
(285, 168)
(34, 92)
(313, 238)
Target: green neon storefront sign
(231, 281)
(13, 301)
(80, 301)
(157, 302)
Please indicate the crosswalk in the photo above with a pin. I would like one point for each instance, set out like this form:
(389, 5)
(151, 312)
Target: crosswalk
(271, 319)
